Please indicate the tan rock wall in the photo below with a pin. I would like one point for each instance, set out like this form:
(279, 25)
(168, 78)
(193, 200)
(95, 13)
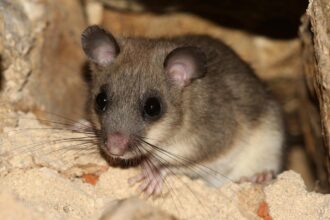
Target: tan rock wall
(315, 35)
(41, 59)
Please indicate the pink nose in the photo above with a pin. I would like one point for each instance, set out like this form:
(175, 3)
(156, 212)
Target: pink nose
(117, 144)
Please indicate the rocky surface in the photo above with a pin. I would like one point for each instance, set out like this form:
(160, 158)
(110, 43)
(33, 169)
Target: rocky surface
(41, 62)
(314, 33)
(48, 170)
(134, 209)
(49, 177)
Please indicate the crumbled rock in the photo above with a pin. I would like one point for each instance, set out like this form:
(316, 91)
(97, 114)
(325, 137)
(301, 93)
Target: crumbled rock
(288, 199)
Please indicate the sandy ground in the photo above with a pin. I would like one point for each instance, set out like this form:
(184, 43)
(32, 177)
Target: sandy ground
(48, 173)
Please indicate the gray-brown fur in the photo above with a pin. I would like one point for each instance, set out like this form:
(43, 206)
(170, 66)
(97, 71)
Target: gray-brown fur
(211, 109)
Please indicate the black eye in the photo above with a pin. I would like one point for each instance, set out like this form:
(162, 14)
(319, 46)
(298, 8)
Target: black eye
(152, 108)
(101, 101)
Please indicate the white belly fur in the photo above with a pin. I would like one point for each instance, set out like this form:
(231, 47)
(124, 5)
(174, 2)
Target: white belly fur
(255, 150)
(259, 149)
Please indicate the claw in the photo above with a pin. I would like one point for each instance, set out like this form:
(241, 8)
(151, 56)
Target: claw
(135, 179)
(144, 186)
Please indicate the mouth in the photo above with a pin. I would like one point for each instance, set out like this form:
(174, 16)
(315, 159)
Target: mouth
(128, 159)
(128, 154)
(114, 155)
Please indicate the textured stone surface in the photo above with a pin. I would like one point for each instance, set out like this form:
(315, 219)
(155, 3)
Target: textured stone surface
(13, 208)
(47, 193)
(295, 202)
(134, 209)
(315, 36)
(48, 175)
(32, 144)
(277, 19)
(41, 61)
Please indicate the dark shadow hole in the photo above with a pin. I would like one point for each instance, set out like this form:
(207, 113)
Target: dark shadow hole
(276, 19)
(1, 75)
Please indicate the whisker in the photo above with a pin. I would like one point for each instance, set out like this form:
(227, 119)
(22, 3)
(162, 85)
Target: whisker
(66, 118)
(46, 121)
(172, 192)
(163, 163)
(29, 148)
(185, 162)
(200, 167)
(58, 130)
(85, 147)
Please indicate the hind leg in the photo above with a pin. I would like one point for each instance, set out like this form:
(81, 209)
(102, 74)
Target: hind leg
(259, 178)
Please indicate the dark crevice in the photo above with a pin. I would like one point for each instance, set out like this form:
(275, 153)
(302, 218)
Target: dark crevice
(26, 80)
(276, 19)
(1, 75)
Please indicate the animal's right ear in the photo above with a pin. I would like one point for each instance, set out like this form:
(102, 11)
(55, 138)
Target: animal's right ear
(99, 46)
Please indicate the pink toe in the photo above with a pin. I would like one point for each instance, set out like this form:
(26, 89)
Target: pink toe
(143, 186)
(135, 179)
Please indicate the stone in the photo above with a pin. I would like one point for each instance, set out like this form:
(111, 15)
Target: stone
(134, 209)
(314, 33)
(41, 60)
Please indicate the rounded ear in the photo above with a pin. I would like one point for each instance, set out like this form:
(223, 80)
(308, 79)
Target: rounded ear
(184, 64)
(99, 46)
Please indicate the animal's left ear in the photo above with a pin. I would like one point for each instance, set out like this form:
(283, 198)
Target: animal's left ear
(184, 64)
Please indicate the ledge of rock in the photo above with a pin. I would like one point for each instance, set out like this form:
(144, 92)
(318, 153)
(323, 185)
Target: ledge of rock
(45, 183)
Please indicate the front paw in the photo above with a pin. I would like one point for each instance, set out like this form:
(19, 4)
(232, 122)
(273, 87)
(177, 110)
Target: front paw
(151, 180)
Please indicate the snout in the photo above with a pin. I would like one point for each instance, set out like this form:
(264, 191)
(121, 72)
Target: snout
(117, 144)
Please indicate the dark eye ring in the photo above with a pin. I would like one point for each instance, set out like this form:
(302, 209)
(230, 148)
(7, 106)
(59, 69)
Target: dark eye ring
(101, 101)
(152, 108)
